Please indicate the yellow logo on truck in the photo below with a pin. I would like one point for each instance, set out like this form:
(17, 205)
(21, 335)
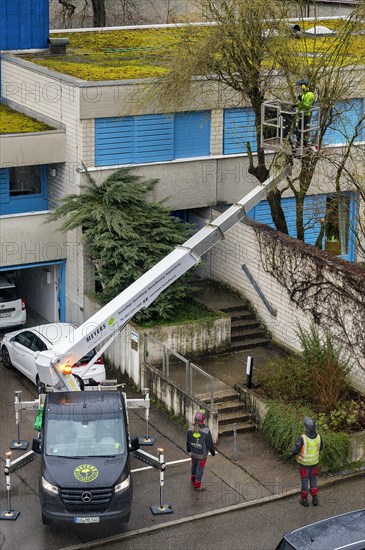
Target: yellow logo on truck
(86, 473)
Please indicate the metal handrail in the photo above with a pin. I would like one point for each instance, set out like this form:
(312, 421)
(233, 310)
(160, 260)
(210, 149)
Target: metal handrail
(189, 367)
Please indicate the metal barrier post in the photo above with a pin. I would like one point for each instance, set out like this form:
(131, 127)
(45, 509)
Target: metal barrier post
(167, 362)
(187, 376)
(161, 508)
(147, 439)
(164, 359)
(8, 514)
(18, 443)
(145, 347)
(235, 450)
(212, 388)
(249, 369)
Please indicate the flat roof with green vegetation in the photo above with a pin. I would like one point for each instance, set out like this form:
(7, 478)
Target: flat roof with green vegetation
(133, 54)
(12, 122)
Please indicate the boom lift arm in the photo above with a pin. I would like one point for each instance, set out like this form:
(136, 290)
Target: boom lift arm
(54, 366)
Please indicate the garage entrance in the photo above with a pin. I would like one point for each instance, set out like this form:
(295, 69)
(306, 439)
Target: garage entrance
(42, 286)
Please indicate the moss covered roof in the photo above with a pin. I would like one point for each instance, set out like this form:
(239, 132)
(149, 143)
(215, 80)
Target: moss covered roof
(12, 122)
(133, 54)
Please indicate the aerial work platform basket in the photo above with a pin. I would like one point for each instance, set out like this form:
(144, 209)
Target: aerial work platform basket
(284, 128)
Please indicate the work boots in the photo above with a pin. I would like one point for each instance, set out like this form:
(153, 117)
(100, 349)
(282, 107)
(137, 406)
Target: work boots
(304, 502)
(315, 500)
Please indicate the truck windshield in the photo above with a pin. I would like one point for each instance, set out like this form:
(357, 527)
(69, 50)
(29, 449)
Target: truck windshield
(103, 436)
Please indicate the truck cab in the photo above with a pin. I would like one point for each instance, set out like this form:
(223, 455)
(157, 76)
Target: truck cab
(85, 455)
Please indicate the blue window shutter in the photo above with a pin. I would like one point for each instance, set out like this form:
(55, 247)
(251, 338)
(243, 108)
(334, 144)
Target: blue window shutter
(239, 128)
(346, 115)
(113, 141)
(4, 189)
(314, 211)
(153, 138)
(192, 134)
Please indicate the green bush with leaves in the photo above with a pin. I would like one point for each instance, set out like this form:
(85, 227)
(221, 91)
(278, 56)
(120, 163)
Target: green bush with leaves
(346, 416)
(317, 377)
(285, 380)
(283, 425)
(328, 370)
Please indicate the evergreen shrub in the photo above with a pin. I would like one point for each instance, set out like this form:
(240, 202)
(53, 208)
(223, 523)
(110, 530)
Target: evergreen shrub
(283, 425)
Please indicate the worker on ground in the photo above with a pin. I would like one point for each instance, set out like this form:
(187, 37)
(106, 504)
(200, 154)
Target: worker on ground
(198, 443)
(304, 106)
(307, 450)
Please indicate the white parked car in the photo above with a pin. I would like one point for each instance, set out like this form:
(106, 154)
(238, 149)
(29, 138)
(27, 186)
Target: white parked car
(12, 307)
(19, 349)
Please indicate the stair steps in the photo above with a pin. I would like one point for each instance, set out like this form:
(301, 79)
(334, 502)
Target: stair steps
(231, 411)
(246, 331)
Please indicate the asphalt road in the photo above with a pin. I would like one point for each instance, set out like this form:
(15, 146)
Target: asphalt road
(252, 528)
(194, 514)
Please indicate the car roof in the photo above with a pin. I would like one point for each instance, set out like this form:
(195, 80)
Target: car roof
(54, 332)
(333, 533)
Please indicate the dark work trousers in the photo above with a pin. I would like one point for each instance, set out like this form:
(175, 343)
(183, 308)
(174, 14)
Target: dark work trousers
(306, 122)
(197, 468)
(308, 475)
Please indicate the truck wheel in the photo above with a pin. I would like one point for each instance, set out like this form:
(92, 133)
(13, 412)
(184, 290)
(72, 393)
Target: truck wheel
(45, 520)
(6, 358)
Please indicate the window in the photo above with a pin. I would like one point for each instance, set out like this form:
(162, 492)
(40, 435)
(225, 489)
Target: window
(23, 189)
(38, 344)
(346, 114)
(151, 138)
(25, 180)
(239, 128)
(325, 215)
(337, 225)
(25, 339)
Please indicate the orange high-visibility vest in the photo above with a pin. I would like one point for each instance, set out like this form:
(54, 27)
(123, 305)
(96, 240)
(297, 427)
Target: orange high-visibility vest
(309, 453)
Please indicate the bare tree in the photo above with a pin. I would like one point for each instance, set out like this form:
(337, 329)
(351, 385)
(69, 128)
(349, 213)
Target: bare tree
(251, 51)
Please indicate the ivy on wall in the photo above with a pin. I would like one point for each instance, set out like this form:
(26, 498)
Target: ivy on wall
(330, 289)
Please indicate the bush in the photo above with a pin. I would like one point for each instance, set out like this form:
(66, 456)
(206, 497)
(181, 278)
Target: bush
(283, 425)
(347, 416)
(285, 380)
(317, 377)
(327, 369)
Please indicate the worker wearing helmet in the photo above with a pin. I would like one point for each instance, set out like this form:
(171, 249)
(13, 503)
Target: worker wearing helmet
(304, 106)
(307, 450)
(198, 443)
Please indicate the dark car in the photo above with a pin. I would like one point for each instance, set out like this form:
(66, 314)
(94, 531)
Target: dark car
(343, 531)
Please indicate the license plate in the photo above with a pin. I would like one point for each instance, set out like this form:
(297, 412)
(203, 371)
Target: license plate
(6, 314)
(92, 519)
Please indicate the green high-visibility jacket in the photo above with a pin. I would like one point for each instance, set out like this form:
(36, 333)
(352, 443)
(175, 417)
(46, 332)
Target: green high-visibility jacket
(309, 453)
(306, 102)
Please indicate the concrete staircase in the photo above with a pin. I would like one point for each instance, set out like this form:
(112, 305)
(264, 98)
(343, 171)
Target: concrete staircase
(246, 331)
(230, 411)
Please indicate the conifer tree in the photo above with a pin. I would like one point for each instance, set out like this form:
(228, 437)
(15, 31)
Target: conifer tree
(124, 235)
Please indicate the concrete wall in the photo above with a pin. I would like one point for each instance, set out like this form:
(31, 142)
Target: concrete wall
(54, 97)
(32, 148)
(26, 239)
(189, 340)
(176, 400)
(126, 353)
(241, 246)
